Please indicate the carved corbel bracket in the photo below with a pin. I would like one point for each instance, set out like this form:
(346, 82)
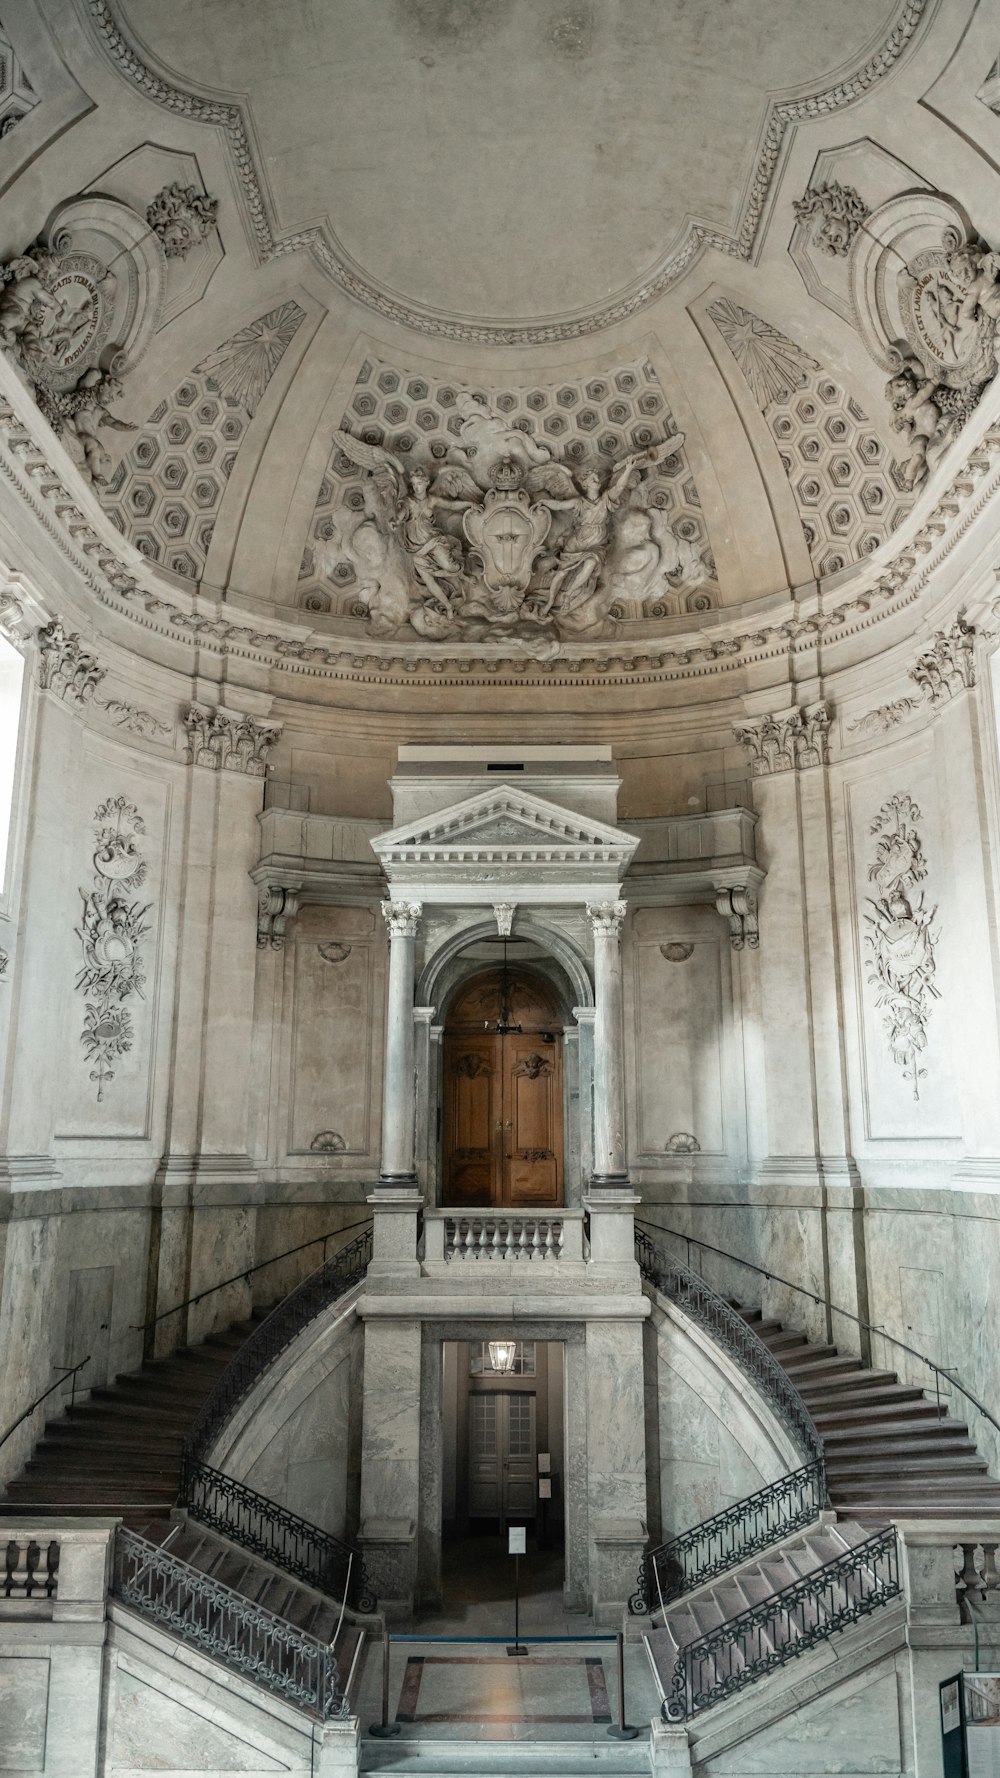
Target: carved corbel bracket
(739, 907)
(276, 905)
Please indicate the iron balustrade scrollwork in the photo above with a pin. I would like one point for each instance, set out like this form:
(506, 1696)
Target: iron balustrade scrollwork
(244, 1636)
(782, 1627)
(330, 1564)
(728, 1328)
(267, 1342)
(744, 1529)
(763, 1518)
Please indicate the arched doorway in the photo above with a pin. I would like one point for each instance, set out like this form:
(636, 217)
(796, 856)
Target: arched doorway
(502, 1105)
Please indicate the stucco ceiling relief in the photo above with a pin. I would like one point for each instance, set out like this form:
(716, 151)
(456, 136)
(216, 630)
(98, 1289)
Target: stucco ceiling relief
(547, 511)
(636, 250)
(164, 495)
(848, 490)
(17, 95)
(926, 293)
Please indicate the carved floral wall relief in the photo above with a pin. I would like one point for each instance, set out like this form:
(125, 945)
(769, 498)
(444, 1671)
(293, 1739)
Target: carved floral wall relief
(112, 928)
(900, 940)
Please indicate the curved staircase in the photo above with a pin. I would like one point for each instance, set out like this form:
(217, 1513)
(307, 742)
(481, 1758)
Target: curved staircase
(892, 1452)
(118, 1451)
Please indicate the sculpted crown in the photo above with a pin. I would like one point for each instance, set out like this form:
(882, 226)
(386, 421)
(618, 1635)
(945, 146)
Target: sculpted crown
(506, 475)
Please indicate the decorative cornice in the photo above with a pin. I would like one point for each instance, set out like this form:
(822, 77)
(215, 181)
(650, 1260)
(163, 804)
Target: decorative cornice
(225, 741)
(789, 741)
(109, 573)
(949, 665)
(738, 243)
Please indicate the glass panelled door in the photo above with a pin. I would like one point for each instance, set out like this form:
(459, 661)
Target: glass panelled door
(502, 1456)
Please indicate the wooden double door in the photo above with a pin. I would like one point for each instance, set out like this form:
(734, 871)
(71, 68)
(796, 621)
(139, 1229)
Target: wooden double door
(502, 1113)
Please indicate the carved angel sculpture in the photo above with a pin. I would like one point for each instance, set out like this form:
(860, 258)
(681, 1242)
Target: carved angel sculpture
(487, 437)
(571, 595)
(409, 508)
(911, 393)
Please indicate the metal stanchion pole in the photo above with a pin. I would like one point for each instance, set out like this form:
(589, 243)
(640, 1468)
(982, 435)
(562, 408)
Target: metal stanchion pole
(621, 1730)
(385, 1728)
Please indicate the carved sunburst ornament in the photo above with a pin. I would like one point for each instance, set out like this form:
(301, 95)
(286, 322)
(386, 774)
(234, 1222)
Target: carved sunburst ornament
(773, 365)
(243, 367)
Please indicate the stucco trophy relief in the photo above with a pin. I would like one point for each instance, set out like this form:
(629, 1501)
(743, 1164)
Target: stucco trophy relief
(111, 931)
(900, 941)
(505, 542)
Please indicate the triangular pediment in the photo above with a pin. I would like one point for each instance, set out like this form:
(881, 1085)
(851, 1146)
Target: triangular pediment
(506, 826)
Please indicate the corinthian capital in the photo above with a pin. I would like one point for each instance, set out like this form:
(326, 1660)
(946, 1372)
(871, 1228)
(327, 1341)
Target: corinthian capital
(402, 918)
(787, 742)
(606, 917)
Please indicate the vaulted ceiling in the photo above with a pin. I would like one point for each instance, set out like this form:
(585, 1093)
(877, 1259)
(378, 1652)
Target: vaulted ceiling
(578, 212)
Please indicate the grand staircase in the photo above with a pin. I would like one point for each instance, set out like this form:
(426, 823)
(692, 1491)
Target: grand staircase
(892, 1452)
(119, 1450)
(688, 1663)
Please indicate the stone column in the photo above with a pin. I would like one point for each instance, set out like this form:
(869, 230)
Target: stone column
(396, 1199)
(398, 1107)
(610, 1158)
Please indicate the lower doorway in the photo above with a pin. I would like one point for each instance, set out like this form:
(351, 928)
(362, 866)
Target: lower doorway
(503, 1460)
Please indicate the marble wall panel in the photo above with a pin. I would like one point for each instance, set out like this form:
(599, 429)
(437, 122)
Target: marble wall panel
(305, 1464)
(681, 1018)
(337, 963)
(24, 1698)
(154, 1731)
(857, 1731)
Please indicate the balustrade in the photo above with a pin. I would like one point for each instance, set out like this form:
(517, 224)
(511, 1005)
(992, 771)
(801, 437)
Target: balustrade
(492, 1235)
(31, 1569)
(977, 1578)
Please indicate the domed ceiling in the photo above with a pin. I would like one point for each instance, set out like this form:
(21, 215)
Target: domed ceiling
(485, 325)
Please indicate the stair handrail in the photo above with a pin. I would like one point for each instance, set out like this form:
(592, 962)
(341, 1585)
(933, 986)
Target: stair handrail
(697, 1682)
(228, 1627)
(697, 1299)
(245, 1276)
(333, 1565)
(940, 1370)
(730, 1537)
(771, 1513)
(274, 1334)
(69, 1371)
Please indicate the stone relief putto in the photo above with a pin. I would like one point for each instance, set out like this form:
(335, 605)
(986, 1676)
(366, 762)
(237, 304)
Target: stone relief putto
(505, 539)
(900, 941)
(112, 928)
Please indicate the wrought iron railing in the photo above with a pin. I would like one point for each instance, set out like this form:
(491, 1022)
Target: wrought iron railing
(773, 1512)
(331, 1564)
(730, 1537)
(784, 1626)
(728, 1328)
(322, 1287)
(241, 1634)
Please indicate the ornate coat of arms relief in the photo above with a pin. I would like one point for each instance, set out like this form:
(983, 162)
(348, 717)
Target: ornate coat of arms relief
(506, 542)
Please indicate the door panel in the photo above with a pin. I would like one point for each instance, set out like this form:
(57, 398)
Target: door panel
(502, 1111)
(472, 1108)
(501, 1455)
(532, 1120)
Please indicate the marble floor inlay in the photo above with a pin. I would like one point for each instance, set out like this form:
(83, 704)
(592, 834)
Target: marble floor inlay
(503, 1690)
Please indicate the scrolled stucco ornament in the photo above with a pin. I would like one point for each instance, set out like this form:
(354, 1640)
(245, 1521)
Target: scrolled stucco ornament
(180, 217)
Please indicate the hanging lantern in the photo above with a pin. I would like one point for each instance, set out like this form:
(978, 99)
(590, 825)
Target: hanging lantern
(502, 1356)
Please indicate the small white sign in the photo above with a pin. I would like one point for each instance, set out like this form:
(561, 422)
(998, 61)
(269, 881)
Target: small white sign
(517, 1540)
(545, 1487)
(544, 1462)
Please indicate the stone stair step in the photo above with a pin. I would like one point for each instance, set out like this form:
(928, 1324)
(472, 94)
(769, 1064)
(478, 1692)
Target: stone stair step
(893, 1425)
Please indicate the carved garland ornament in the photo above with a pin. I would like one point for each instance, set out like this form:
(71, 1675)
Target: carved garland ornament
(900, 941)
(111, 931)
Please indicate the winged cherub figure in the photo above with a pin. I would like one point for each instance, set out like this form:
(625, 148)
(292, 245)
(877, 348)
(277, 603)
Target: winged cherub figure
(409, 506)
(570, 593)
